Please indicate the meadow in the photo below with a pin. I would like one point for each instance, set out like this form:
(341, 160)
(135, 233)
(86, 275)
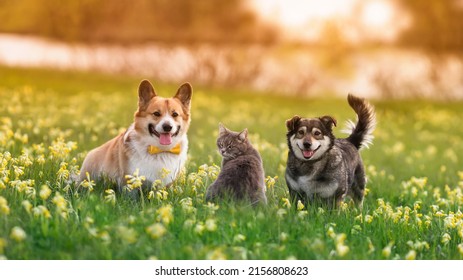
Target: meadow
(49, 120)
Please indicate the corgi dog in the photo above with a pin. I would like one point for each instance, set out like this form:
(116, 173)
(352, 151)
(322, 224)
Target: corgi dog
(155, 144)
(322, 169)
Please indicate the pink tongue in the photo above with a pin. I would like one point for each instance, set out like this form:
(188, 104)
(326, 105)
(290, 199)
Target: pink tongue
(165, 139)
(308, 154)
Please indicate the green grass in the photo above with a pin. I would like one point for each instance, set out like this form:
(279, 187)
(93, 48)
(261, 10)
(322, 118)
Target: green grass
(50, 119)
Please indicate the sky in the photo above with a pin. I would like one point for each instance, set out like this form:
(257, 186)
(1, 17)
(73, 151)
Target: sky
(359, 19)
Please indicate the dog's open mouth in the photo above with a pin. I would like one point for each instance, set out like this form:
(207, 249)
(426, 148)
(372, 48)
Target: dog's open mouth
(165, 138)
(309, 153)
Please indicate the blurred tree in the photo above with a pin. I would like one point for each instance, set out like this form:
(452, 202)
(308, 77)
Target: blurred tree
(135, 21)
(437, 25)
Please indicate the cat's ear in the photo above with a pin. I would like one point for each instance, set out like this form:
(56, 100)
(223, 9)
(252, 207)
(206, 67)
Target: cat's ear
(243, 135)
(222, 129)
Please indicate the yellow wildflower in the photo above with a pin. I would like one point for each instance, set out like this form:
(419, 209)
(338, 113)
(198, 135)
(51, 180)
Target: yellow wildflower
(18, 171)
(135, 181)
(300, 205)
(343, 206)
(439, 214)
(45, 192)
(283, 236)
(41, 211)
(129, 235)
(342, 249)
(446, 238)
(216, 254)
(60, 202)
(281, 212)
(4, 208)
(286, 202)
(2, 245)
(110, 196)
(27, 205)
(105, 237)
(162, 194)
(386, 252)
(302, 214)
(211, 208)
(30, 192)
(18, 234)
(165, 214)
(417, 205)
(270, 182)
(239, 238)
(164, 173)
(411, 255)
(371, 247)
(151, 195)
(63, 172)
(356, 229)
(330, 232)
(88, 183)
(368, 219)
(211, 225)
(40, 159)
(188, 224)
(451, 221)
(460, 248)
(156, 230)
(187, 205)
(199, 228)
(60, 149)
(156, 184)
(366, 191)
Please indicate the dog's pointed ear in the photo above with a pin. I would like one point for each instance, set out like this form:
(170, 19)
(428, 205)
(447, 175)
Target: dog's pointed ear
(184, 93)
(328, 122)
(145, 94)
(243, 135)
(292, 123)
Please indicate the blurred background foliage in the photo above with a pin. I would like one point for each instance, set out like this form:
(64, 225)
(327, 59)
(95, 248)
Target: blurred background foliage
(377, 48)
(135, 21)
(437, 25)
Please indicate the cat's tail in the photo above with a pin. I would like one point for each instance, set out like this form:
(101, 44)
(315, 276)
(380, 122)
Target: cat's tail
(361, 133)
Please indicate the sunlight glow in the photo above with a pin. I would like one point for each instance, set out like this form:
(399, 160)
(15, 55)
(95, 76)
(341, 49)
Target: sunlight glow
(377, 13)
(294, 13)
(358, 19)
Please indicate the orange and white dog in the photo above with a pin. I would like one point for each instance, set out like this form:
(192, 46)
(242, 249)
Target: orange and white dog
(155, 142)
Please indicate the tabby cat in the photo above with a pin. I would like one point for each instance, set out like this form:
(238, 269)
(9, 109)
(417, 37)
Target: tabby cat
(242, 173)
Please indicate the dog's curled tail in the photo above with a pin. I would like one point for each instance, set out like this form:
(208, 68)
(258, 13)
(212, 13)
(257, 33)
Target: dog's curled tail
(361, 133)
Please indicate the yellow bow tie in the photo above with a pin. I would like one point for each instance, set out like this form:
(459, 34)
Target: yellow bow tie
(152, 150)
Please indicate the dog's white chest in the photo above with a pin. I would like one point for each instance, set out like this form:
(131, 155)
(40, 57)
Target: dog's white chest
(164, 166)
(310, 186)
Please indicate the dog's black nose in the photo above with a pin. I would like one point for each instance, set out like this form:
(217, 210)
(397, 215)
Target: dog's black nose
(307, 144)
(167, 127)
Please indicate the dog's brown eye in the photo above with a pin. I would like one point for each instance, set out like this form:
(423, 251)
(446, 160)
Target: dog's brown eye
(317, 133)
(300, 132)
(174, 114)
(157, 114)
